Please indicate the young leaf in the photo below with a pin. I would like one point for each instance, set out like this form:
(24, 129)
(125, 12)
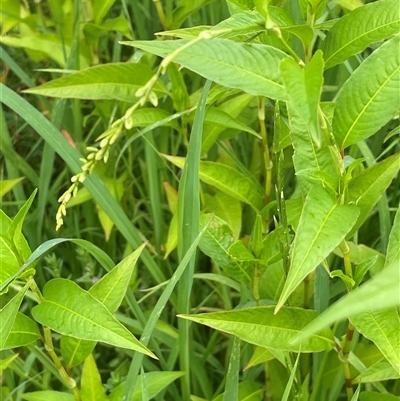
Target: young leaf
(359, 113)
(323, 225)
(393, 251)
(356, 30)
(260, 326)
(226, 179)
(303, 86)
(24, 332)
(253, 68)
(91, 385)
(114, 81)
(72, 311)
(367, 188)
(379, 293)
(156, 382)
(383, 329)
(8, 315)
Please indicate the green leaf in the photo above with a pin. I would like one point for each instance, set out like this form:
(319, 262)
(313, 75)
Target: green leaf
(9, 261)
(371, 396)
(91, 385)
(323, 226)
(232, 375)
(48, 395)
(24, 332)
(304, 86)
(383, 329)
(366, 189)
(260, 326)
(393, 250)
(100, 9)
(359, 113)
(216, 242)
(253, 68)
(5, 363)
(8, 185)
(379, 293)
(72, 311)
(227, 180)
(379, 371)
(356, 30)
(260, 355)
(247, 391)
(155, 381)
(8, 315)
(183, 10)
(110, 291)
(227, 208)
(113, 81)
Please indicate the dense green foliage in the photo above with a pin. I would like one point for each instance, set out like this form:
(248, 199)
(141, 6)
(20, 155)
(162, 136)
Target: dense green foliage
(208, 213)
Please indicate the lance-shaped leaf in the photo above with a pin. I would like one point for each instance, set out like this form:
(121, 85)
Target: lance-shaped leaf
(393, 251)
(253, 68)
(374, 396)
(91, 385)
(379, 293)
(72, 311)
(8, 315)
(366, 189)
(48, 395)
(379, 371)
(323, 225)
(383, 329)
(260, 326)
(303, 86)
(24, 332)
(227, 180)
(358, 29)
(114, 81)
(370, 97)
(110, 291)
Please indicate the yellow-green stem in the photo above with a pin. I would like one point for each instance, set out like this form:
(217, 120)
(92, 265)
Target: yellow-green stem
(161, 14)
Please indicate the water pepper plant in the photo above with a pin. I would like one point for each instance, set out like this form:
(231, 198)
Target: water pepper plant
(252, 163)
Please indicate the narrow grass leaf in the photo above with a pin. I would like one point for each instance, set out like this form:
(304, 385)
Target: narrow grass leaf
(393, 250)
(289, 384)
(232, 375)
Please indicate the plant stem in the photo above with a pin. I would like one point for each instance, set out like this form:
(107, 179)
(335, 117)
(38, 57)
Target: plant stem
(161, 14)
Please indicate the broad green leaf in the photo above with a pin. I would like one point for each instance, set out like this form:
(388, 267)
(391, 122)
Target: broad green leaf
(113, 81)
(227, 180)
(8, 315)
(100, 9)
(47, 45)
(393, 251)
(315, 7)
(24, 332)
(372, 396)
(233, 107)
(155, 381)
(91, 385)
(227, 208)
(10, 262)
(247, 391)
(358, 29)
(323, 225)
(304, 86)
(183, 10)
(260, 326)
(260, 355)
(72, 311)
(253, 68)
(110, 291)
(272, 281)
(379, 371)
(379, 293)
(359, 113)
(350, 4)
(111, 288)
(145, 117)
(216, 242)
(310, 160)
(383, 329)
(366, 189)
(48, 395)
(8, 185)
